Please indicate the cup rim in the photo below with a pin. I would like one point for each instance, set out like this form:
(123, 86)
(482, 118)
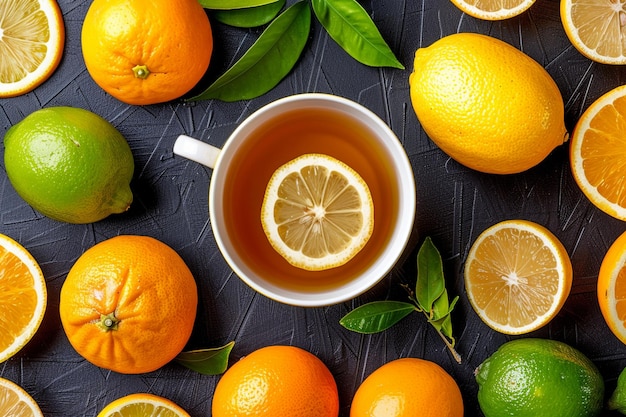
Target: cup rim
(388, 257)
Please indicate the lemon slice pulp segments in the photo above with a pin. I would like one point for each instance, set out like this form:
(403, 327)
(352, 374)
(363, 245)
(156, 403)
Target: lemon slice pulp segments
(598, 153)
(32, 35)
(517, 276)
(493, 9)
(317, 212)
(142, 405)
(23, 297)
(597, 29)
(16, 402)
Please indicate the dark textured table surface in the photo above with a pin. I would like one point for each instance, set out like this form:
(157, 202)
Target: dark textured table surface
(454, 205)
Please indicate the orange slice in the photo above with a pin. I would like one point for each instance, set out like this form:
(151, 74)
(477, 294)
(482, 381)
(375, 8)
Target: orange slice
(612, 287)
(596, 29)
(317, 212)
(517, 276)
(142, 405)
(16, 402)
(598, 152)
(32, 35)
(22, 297)
(493, 9)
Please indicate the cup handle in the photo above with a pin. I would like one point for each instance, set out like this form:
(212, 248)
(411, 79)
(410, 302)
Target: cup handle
(196, 150)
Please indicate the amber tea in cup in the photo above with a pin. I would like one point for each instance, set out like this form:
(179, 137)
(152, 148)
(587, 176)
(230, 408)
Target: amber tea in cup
(278, 133)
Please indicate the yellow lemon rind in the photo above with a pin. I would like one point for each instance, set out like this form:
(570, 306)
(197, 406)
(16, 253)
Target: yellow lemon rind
(563, 266)
(501, 14)
(296, 257)
(55, 45)
(162, 406)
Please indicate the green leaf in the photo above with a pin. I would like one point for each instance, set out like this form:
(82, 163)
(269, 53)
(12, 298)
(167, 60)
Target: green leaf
(250, 17)
(352, 28)
(267, 61)
(441, 306)
(430, 280)
(206, 361)
(232, 4)
(376, 316)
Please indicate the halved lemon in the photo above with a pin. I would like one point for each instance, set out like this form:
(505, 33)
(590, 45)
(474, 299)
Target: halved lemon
(598, 152)
(493, 9)
(16, 402)
(612, 287)
(142, 405)
(597, 29)
(517, 276)
(32, 36)
(23, 297)
(317, 212)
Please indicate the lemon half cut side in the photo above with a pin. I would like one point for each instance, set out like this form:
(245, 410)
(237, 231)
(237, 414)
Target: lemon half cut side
(317, 212)
(142, 405)
(32, 35)
(493, 9)
(16, 402)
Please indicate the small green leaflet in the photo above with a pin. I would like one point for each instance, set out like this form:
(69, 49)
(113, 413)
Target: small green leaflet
(250, 17)
(430, 298)
(232, 4)
(268, 60)
(376, 316)
(206, 361)
(352, 28)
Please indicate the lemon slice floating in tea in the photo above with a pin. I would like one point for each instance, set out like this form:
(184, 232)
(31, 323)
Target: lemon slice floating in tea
(32, 35)
(517, 276)
(16, 402)
(142, 405)
(23, 297)
(317, 212)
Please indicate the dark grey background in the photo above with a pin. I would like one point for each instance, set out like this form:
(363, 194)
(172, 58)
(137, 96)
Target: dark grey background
(454, 205)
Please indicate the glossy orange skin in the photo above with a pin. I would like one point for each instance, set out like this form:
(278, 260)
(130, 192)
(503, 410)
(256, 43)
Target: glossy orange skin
(142, 284)
(277, 381)
(408, 387)
(171, 38)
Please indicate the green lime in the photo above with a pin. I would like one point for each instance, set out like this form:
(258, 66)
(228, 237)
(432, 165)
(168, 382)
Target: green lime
(69, 164)
(618, 398)
(537, 378)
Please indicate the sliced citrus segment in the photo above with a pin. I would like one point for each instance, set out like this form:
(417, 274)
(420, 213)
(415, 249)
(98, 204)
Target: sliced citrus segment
(493, 9)
(317, 212)
(32, 35)
(142, 405)
(596, 29)
(23, 297)
(598, 152)
(517, 276)
(612, 288)
(16, 402)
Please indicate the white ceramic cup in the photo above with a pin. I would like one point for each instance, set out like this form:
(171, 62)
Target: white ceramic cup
(228, 161)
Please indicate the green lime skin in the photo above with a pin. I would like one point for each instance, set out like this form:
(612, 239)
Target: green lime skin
(618, 398)
(69, 164)
(539, 378)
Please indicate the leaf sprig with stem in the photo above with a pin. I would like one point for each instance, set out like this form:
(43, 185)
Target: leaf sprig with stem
(429, 298)
(279, 47)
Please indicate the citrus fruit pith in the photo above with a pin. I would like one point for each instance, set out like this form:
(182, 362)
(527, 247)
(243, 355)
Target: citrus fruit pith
(142, 405)
(16, 402)
(128, 304)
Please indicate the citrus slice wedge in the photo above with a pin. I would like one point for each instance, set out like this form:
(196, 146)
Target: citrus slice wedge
(517, 276)
(596, 29)
(142, 405)
(612, 287)
(16, 402)
(598, 152)
(493, 9)
(32, 35)
(317, 212)
(23, 297)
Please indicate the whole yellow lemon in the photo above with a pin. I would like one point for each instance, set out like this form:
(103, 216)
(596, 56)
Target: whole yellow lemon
(486, 104)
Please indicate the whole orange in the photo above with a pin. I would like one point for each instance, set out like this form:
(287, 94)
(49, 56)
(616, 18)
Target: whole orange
(408, 387)
(146, 51)
(129, 304)
(277, 381)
